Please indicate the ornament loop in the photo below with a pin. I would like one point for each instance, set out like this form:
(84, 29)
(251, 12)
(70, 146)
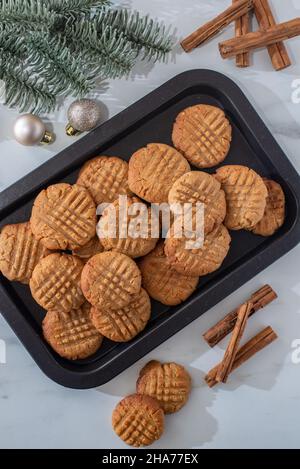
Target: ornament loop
(71, 131)
(47, 138)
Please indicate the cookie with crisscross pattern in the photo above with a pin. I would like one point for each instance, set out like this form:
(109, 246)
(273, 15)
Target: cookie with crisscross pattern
(55, 282)
(246, 195)
(64, 217)
(20, 251)
(138, 420)
(200, 187)
(72, 335)
(124, 324)
(274, 213)
(154, 169)
(130, 236)
(198, 261)
(203, 134)
(110, 280)
(169, 383)
(162, 282)
(105, 177)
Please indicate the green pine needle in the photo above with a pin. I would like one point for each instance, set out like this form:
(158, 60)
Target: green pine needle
(76, 8)
(50, 48)
(50, 58)
(10, 45)
(26, 93)
(108, 52)
(142, 32)
(28, 14)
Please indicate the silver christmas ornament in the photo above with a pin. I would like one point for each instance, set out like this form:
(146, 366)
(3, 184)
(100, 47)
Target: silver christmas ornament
(83, 115)
(30, 130)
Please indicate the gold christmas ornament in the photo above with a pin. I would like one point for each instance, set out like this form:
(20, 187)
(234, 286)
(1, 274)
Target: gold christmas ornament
(83, 115)
(30, 130)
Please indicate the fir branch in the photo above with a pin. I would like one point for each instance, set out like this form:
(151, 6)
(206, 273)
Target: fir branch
(145, 34)
(11, 42)
(24, 92)
(50, 58)
(54, 47)
(76, 8)
(28, 14)
(109, 52)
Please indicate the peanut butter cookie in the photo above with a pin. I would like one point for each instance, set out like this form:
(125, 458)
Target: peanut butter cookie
(162, 282)
(20, 251)
(131, 237)
(124, 324)
(138, 420)
(110, 280)
(64, 217)
(106, 177)
(274, 214)
(154, 169)
(246, 195)
(72, 335)
(203, 134)
(169, 383)
(55, 283)
(89, 250)
(199, 187)
(198, 261)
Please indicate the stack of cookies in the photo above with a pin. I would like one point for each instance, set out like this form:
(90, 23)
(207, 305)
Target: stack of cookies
(94, 285)
(161, 388)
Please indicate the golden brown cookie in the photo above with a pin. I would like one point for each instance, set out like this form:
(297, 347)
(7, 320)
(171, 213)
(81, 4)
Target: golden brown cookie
(162, 282)
(72, 335)
(245, 194)
(138, 420)
(20, 251)
(203, 134)
(154, 169)
(89, 250)
(202, 261)
(55, 283)
(274, 214)
(110, 280)
(130, 237)
(199, 187)
(169, 383)
(64, 217)
(148, 367)
(124, 324)
(106, 177)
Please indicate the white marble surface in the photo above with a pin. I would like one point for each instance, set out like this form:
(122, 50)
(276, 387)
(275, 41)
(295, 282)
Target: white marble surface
(259, 407)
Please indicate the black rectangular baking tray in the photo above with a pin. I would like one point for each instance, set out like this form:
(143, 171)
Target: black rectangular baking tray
(150, 120)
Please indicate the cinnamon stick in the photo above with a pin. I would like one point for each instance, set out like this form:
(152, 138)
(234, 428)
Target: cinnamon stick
(247, 351)
(241, 28)
(210, 29)
(233, 346)
(277, 52)
(250, 41)
(259, 300)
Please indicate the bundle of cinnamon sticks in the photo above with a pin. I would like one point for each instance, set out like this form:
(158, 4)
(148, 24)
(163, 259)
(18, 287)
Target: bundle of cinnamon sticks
(236, 322)
(271, 34)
